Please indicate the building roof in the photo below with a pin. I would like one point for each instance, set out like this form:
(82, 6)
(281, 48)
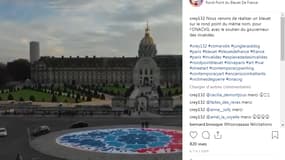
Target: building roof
(168, 61)
(107, 62)
(163, 61)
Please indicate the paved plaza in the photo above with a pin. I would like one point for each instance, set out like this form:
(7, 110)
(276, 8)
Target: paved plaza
(47, 145)
(18, 141)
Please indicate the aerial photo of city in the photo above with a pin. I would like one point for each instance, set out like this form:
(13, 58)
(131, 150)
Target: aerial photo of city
(91, 80)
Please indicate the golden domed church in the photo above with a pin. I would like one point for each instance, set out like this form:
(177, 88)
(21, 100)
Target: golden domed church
(146, 69)
(147, 47)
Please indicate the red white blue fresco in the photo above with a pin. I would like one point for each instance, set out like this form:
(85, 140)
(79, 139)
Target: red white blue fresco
(124, 140)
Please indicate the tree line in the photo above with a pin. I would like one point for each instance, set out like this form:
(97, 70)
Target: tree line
(17, 70)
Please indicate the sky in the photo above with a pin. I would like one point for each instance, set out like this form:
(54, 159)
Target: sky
(102, 28)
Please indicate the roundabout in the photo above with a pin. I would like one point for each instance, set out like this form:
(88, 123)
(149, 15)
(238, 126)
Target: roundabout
(124, 140)
(113, 142)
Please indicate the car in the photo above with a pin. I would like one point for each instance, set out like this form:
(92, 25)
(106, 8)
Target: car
(79, 125)
(42, 130)
(3, 132)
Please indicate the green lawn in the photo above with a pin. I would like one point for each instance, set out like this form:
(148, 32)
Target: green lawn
(115, 89)
(172, 90)
(39, 96)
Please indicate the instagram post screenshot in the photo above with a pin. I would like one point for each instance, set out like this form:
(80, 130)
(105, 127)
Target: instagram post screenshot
(233, 63)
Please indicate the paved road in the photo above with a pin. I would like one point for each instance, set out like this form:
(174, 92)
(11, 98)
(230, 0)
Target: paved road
(17, 141)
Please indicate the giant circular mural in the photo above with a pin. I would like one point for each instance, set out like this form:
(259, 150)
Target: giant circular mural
(124, 140)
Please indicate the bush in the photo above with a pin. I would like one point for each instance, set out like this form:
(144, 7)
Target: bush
(0, 98)
(32, 98)
(21, 99)
(10, 97)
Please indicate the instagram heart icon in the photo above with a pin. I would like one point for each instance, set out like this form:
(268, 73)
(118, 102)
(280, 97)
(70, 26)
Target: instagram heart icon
(193, 134)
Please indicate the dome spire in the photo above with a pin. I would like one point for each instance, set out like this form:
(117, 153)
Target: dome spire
(147, 28)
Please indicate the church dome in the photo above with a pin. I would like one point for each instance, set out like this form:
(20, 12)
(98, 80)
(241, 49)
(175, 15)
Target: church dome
(147, 47)
(147, 39)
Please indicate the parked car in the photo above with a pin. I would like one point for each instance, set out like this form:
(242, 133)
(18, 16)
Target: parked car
(42, 130)
(79, 125)
(3, 132)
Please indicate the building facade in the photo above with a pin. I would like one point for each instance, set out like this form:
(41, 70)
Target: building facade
(147, 68)
(34, 51)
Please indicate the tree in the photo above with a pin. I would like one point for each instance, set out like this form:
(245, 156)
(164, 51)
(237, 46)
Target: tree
(4, 75)
(95, 93)
(10, 97)
(64, 89)
(77, 99)
(68, 94)
(160, 93)
(32, 98)
(176, 91)
(89, 98)
(129, 91)
(19, 69)
(54, 98)
(102, 96)
(169, 93)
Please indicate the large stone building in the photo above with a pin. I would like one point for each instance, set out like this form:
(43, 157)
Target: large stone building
(146, 69)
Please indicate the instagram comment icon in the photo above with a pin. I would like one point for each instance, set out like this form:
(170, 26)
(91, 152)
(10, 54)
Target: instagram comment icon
(196, 3)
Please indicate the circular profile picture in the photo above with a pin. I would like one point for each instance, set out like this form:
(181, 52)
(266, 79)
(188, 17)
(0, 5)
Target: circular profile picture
(196, 3)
